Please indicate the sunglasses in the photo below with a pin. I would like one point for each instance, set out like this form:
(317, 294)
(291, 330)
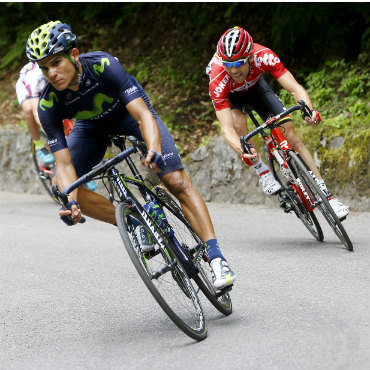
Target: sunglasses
(235, 64)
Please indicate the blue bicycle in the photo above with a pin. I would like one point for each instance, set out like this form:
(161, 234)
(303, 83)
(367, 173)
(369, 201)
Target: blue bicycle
(169, 256)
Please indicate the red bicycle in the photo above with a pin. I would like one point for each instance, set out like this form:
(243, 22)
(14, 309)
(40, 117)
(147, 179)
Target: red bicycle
(300, 191)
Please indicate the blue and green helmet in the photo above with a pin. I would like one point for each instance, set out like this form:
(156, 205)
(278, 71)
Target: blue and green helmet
(49, 39)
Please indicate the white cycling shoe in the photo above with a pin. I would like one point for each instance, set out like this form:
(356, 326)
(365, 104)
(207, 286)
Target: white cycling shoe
(222, 275)
(268, 183)
(339, 208)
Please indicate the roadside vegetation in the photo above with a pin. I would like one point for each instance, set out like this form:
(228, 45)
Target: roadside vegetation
(167, 46)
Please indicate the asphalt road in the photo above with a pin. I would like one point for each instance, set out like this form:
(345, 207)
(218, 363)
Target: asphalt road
(71, 299)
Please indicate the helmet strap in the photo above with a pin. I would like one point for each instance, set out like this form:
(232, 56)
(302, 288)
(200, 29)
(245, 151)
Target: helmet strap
(250, 68)
(76, 65)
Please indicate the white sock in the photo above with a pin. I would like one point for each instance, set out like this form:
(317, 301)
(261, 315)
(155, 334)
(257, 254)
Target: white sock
(260, 167)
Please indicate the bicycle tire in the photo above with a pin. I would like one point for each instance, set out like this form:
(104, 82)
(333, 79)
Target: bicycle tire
(162, 274)
(43, 174)
(319, 198)
(186, 236)
(308, 218)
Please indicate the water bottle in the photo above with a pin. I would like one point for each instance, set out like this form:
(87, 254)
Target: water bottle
(158, 216)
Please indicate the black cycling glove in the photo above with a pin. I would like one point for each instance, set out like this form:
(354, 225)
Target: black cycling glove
(158, 160)
(68, 220)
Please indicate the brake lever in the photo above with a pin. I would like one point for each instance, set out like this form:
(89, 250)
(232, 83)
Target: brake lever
(245, 146)
(306, 111)
(62, 198)
(140, 148)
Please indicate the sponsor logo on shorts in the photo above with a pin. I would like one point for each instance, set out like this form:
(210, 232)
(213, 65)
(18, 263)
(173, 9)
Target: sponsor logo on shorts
(52, 142)
(167, 155)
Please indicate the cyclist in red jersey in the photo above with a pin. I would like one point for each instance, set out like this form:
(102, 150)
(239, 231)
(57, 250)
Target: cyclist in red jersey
(236, 80)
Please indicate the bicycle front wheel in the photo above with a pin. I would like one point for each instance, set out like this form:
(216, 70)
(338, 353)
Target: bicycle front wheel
(191, 243)
(290, 200)
(44, 171)
(317, 198)
(162, 273)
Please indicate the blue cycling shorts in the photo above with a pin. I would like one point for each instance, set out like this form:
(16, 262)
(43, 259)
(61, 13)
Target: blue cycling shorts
(88, 142)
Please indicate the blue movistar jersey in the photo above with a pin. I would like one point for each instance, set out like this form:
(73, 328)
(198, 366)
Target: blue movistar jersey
(105, 90)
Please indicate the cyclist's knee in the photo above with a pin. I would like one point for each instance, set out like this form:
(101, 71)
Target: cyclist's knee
(28, 112)
(240, 122)
(294, 141)
(178, 183)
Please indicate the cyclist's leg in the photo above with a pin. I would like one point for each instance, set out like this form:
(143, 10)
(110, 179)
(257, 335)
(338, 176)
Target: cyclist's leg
(178, 182)
(29, 106)
(296, 143)
(240, 125)
(237, 101)
(193, 206)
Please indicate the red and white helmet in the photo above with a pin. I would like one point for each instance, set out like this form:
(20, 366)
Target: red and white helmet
(235, 43)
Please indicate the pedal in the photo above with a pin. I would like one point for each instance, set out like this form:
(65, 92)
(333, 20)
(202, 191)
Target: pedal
(283, 203)
(285, 207)
(225, 290)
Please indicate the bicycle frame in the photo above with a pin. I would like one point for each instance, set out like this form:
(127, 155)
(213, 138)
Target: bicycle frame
(120, 182)
(277, 143)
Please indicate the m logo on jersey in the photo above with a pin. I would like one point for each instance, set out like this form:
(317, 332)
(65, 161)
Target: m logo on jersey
(99, 100)
(99, 69)
(267, 59)
(218, 90)
(50, 102)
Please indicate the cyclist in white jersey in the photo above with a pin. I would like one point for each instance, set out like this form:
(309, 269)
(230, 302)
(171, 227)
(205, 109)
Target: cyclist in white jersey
(30, 84)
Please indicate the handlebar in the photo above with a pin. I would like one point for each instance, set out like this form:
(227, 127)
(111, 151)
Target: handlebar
(273, 123)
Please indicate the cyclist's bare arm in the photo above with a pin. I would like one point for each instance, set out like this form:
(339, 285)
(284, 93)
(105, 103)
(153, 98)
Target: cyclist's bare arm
(148, 127)
(289, 83)
(228, 132)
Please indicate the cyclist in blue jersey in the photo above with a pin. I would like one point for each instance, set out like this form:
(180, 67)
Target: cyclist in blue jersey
(105, 100)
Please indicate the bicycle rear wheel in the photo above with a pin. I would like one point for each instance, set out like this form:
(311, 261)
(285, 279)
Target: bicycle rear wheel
(315, 195)
(191, 243)
(44, 171)
(290, 200)
(162, 273)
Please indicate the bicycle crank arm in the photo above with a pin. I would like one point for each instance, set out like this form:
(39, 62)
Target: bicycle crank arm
(162, 270)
